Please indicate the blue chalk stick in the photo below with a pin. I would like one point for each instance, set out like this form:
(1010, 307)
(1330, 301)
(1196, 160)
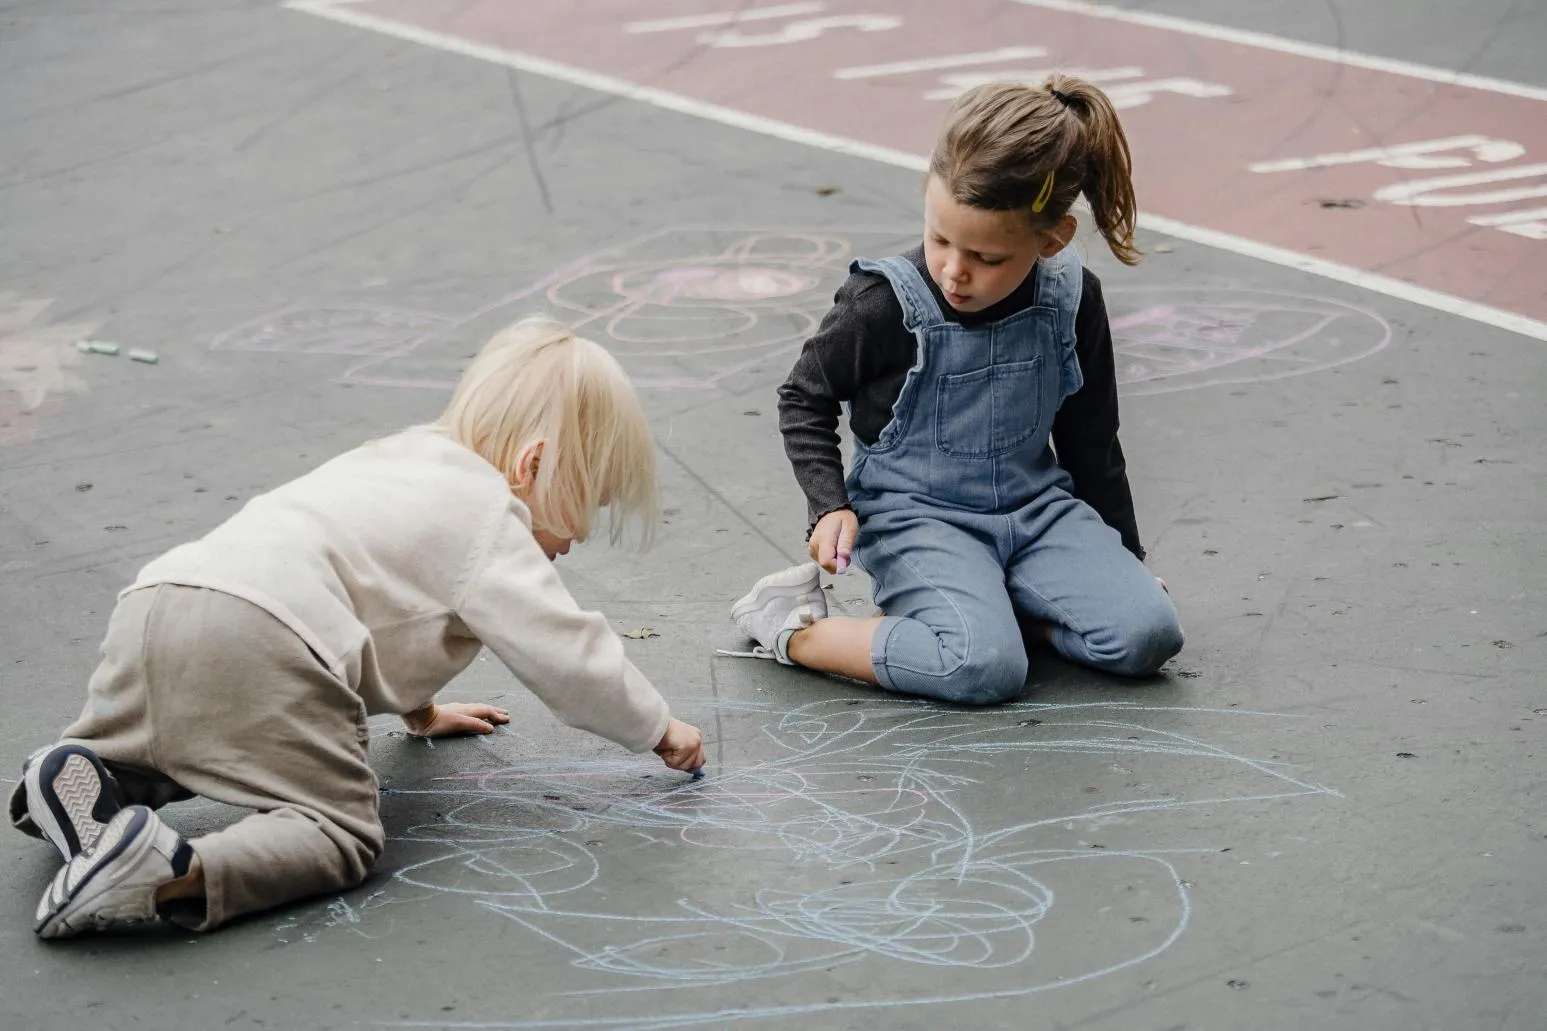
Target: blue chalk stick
(698, 774)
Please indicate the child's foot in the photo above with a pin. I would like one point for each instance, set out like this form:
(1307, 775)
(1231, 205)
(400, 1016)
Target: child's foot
(778, 605)
(114, 885)
(70, 796)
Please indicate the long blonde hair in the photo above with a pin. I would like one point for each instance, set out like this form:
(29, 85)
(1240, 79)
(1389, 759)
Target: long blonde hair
(1011, 146)
(537, 381)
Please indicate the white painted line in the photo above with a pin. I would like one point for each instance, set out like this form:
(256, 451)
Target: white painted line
(930, 64)
(708, 21)
(957, 83)
(1405, 155)
(902, 159)
(1264, 41)
(607, 84)
(1424, 193)
(1372, 281)
(1505, 218)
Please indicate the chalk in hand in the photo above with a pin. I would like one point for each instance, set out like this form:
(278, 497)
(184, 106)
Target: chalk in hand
(843, 563)
(697, 772)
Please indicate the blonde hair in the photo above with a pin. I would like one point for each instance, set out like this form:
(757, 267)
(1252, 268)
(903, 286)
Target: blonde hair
(1002, 141)
(537, 381)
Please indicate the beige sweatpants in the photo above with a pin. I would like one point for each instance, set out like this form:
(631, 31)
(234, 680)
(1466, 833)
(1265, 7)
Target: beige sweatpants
(202, 694)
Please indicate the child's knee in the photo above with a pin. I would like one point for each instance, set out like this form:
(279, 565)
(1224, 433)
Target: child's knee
(990, 673)
(359, 842)
(363, 849)
(1139, 647)
(995, 675)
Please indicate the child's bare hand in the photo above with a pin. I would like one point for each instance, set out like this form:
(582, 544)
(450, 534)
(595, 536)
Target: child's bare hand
(455, 718)
(682, 746)
(833, 539)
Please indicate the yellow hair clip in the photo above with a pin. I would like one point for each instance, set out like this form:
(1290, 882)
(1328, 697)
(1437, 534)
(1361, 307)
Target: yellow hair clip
(1044, 195)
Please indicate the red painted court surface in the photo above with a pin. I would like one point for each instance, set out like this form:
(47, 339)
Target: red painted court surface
(1380, 174)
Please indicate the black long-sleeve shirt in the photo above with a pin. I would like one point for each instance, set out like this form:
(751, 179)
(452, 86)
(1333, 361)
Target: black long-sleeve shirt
(861, 354)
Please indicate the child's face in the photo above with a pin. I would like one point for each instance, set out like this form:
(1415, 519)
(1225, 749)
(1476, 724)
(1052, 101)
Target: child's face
(977, 257)
(553, 545)
(524, 486)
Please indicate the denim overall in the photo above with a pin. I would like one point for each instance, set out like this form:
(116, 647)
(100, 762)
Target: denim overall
(966, 518)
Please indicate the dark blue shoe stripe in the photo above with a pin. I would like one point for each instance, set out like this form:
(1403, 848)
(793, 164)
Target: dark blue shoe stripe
(104, 808)
(139, 817)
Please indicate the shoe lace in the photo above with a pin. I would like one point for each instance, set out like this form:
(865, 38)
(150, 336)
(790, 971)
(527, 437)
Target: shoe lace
(757, 652)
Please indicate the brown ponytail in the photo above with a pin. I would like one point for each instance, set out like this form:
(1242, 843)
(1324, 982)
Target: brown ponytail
(1002, 141)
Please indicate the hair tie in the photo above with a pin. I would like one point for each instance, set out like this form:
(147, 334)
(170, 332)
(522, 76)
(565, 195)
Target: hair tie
(1063, 97)
(1043, 195)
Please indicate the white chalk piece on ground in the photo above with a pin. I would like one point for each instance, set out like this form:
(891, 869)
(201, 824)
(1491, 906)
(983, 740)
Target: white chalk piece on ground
(148, 357)
(641, 634)
(1163, 248)
(95, 347)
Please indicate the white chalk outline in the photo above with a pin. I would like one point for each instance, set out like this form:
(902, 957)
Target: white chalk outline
(917, 756)
(1348, 274)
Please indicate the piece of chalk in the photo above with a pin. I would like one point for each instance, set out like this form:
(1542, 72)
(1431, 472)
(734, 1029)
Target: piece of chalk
(95, 347)
(148, 357)
(698, 774)
(843, 563)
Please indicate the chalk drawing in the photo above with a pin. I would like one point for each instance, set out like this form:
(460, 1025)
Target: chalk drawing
(868, 841)
(708, 309)
(1170, 339)
(37, 361)
(373, 334)
(339, 913)
(683, 309)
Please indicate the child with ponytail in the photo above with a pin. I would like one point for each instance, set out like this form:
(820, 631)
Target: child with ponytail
(987, 492)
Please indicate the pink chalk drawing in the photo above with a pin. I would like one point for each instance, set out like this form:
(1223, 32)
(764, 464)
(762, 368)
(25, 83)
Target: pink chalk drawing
(1200, 337)
(683, 309)
(37, 365)
(703, 309)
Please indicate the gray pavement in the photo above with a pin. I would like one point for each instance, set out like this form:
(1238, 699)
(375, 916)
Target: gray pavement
(1328, 813)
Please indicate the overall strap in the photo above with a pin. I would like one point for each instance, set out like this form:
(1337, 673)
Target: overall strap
(1060, 285)
(919, 310)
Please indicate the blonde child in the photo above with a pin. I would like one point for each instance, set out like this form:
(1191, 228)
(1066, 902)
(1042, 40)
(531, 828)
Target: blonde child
(242, 667)
(988, 492)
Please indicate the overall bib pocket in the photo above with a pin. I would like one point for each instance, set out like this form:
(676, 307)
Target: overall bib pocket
(988, 412)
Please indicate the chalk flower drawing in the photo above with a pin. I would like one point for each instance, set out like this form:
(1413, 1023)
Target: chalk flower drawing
(871, 843)
(715, 309)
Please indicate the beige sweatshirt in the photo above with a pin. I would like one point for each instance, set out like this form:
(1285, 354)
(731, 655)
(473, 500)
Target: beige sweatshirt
(397, 562)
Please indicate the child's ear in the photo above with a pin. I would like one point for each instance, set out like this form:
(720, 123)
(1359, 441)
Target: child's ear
(1059, 236)
(524, 478)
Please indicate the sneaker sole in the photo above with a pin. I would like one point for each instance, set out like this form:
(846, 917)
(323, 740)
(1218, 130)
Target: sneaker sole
(795, 582)
(70, 798)
(132, 841)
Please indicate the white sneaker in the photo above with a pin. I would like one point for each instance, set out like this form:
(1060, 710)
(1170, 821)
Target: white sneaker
(114, 884)
(777, 606)
(70, 796)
